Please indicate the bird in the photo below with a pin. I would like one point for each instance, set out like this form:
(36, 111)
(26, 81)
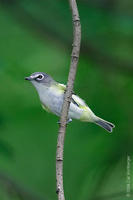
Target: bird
(51, 94)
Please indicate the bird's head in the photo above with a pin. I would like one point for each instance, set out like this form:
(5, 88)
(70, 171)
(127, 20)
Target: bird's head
(40, 79)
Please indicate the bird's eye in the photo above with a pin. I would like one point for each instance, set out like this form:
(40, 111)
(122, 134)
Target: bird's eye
(40, 77)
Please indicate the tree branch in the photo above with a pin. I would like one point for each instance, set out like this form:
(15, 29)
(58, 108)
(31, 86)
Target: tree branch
(67, 98)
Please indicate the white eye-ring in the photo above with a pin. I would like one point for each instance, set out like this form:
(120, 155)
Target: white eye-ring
(40, 77)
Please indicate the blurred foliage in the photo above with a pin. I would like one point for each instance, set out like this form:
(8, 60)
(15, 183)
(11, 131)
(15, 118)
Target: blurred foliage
(37, 36)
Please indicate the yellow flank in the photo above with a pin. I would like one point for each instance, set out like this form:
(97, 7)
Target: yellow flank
(61, 86)
(58, 88)
(85, 108)
(46, 108)
(86, 115)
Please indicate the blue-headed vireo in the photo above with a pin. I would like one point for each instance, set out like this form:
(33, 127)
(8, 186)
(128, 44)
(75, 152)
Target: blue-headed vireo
(51, 95)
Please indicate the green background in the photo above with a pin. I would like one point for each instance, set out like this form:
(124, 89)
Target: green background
(37, 36)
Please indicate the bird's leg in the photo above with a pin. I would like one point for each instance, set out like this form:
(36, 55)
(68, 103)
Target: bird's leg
(68, 121)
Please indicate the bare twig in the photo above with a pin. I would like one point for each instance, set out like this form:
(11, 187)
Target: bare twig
(67, 98)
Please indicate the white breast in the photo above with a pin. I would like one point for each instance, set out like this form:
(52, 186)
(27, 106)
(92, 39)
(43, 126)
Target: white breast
(52, 99)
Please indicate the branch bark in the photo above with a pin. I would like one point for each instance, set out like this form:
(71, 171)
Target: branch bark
(67, 98)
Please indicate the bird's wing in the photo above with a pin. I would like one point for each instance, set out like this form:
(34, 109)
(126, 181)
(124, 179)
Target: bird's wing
(75, 99)
(61, 87)
(45, 108)
(78, 101)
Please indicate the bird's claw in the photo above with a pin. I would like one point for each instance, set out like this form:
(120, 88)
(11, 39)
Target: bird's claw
(68, 121)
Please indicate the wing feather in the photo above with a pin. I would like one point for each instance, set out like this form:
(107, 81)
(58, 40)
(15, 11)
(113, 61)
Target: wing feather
(80, 102)
(75, 99)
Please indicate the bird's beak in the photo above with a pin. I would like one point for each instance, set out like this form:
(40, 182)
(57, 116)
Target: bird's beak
(29, 78)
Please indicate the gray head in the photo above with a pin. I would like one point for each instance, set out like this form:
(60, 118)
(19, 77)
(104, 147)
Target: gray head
(40, 80)
(40, 77)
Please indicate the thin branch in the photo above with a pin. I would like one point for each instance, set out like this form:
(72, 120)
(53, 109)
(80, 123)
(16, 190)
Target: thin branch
(67, 98)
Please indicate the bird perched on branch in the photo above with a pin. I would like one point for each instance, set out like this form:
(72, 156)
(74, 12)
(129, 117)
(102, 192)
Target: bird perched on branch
(51, 95)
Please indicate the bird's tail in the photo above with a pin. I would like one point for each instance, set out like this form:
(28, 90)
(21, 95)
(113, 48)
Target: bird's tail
(108, 126)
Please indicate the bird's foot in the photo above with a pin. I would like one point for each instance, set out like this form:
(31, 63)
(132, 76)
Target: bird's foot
(68, 121)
